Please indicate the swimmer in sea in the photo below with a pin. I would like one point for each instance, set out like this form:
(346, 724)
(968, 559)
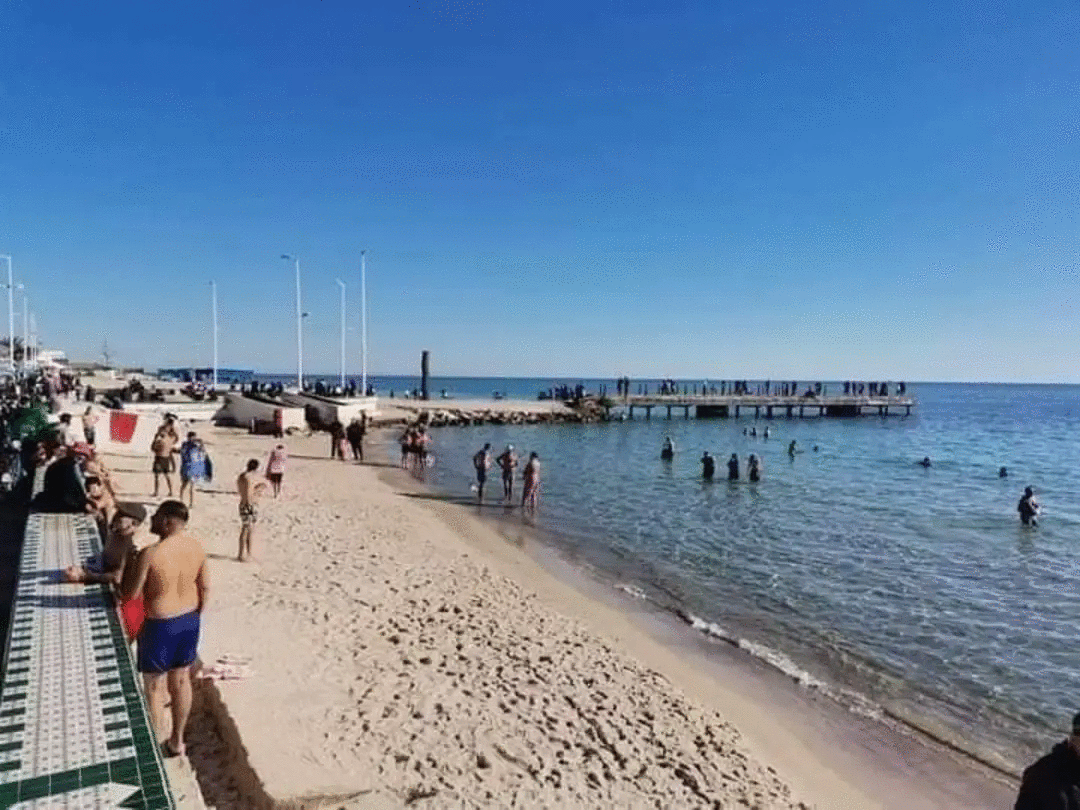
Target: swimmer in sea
(792, 448)
(753, 468)
(1028, 508)
(925, 462)
(1003, 473)
(733, 467)
(708, 466)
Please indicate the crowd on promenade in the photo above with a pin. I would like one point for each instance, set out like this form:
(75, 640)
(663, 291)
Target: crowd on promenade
(51, 464)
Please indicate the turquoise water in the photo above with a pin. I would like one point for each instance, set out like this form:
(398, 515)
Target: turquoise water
(897, 589)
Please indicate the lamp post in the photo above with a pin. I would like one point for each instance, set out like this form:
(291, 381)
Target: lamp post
(299, 329)
(25, 331)
(213, 311)
(363, 324)
(11, 313)
(342, 285)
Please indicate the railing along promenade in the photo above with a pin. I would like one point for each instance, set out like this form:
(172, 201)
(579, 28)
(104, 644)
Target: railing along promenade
(769, 406)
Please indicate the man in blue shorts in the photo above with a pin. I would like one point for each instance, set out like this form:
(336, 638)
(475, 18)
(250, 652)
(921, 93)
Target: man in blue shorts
(173, 578)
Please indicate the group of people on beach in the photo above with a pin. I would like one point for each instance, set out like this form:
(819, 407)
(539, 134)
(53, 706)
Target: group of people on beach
(196, 467)
(415, 449)
(345, 438)
(507, 462)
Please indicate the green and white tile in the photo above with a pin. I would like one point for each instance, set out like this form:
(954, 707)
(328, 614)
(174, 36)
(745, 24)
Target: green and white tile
(74, 731)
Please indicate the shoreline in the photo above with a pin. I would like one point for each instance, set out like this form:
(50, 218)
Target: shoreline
(889, 745)
(343, 601)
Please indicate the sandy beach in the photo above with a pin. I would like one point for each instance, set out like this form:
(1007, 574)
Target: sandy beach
(404, 653)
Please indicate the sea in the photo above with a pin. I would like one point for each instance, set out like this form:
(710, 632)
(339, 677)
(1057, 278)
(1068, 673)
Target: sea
(907, 593)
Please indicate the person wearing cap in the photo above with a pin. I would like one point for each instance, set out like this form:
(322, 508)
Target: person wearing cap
(114, 561)
(508, 462)
(1053, 782)
(1028, 508)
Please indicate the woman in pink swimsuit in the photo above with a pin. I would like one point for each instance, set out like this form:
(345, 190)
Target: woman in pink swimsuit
(275, 467)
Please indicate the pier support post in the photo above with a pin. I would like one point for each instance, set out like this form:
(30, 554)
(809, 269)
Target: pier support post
(686, 412)
(768, 411)
(648, 412)
(800, 411)
(631, 411)
(424, 355)
(669, 412)
(736, 411)
(757, 411)
(789, 411)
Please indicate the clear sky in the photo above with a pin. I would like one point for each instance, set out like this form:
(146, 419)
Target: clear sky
(823, 190)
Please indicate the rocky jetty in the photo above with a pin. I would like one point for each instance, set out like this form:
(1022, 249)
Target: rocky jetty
(586, 410)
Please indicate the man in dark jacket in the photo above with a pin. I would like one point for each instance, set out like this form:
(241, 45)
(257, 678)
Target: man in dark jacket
(1053, 783)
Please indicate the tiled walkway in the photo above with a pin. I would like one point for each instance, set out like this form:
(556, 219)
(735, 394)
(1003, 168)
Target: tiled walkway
(73, 726)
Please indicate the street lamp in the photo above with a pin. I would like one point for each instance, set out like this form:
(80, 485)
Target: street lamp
(363, 324)
(299, 329)
(213, 311)
(11, 313)
(25, 330)
(342, 285)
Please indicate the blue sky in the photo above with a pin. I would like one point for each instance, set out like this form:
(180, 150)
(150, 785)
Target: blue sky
(827, 190)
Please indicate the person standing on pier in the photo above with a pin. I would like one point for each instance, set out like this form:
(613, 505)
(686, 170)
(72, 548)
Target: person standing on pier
(482, 463)
(733, 467)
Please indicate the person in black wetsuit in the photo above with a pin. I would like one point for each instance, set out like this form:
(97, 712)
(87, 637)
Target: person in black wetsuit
(753, 468)
(733, 467)
(1028, 508)
(708, 466)
(1053, 782)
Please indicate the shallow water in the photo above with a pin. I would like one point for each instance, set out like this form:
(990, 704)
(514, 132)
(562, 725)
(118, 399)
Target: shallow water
(851, 568)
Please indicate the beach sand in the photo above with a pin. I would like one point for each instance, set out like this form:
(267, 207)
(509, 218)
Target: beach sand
(406, 654)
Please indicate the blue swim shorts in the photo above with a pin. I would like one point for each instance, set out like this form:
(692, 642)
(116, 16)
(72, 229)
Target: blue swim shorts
(171, 643)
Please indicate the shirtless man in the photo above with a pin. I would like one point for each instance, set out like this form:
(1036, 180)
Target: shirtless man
(249, 490)
(173, 577)
(163, 445)
(481, 463)
(530, 492)
(508, 462)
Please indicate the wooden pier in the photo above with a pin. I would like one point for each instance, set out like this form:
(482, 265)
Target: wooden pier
(711, 406)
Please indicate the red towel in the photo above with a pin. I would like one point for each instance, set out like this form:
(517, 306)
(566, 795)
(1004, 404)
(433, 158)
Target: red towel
(122, 426)
(132, 614)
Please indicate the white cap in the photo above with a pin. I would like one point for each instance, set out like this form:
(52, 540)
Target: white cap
(509, 447)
